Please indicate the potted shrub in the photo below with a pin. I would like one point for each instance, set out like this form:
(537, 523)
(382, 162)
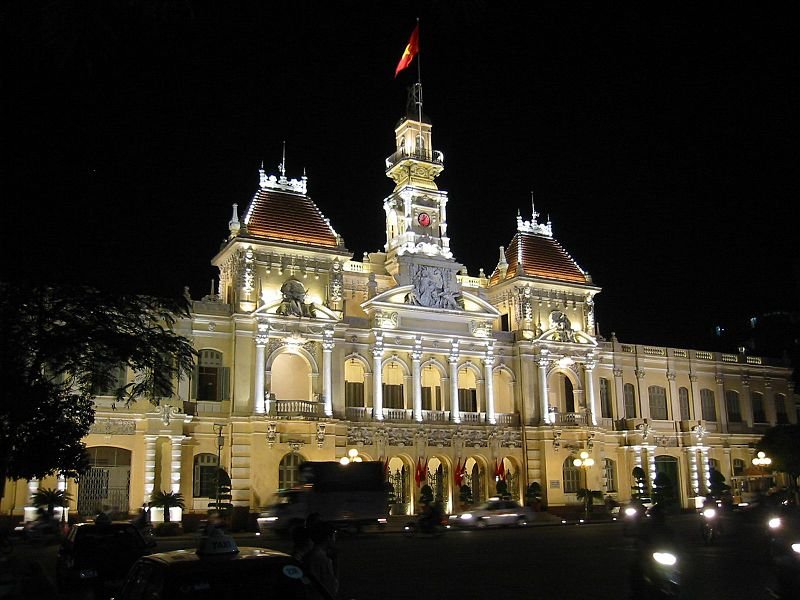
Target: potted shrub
(533, 496)
(425, 494)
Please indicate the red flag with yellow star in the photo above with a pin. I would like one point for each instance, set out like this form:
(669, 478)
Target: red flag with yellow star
(412, 49)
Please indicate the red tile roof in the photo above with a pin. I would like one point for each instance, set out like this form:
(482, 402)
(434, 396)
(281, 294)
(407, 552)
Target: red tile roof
(287, 217)
(540, 256)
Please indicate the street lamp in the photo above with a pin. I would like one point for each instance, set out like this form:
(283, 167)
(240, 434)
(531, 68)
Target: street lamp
(352, 456)
(762, 460)
(585, 462)
(218, 428)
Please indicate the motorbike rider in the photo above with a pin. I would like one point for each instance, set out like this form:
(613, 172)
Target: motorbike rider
(431, 516)
(655, 535)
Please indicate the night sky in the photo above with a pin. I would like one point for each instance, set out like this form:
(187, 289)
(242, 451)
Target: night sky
(662, 144)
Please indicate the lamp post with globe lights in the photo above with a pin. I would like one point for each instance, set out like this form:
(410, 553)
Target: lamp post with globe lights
(352, 456)
(585, 462)
(762, 460)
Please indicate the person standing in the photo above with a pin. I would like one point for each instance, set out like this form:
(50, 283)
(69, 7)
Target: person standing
(319, 561)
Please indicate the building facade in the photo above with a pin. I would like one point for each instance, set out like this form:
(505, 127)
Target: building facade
(306, 354)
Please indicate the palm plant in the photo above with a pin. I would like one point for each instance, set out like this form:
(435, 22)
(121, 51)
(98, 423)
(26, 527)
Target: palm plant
(167, 500)
(588, 496)
(51, 498)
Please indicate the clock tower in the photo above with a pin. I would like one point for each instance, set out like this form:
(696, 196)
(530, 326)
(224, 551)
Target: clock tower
(417, 244)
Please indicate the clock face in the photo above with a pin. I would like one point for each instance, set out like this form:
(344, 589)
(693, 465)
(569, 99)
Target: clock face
(424, 219)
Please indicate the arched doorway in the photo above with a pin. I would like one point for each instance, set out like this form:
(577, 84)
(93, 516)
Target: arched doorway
(290, 377)
(666, 485)
(399, 479)
(106, 485)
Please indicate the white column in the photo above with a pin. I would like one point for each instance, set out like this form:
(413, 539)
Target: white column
(416, 384)
(705, 467)
(592, 398)
(619, 393)
(694, 472)
(546, 416)
(176, 448)
(327, 391)
(455, 413)
(149, 466)
(377, 383)
(29, 512)
(697, 409)
(488, 362)
(260, 407)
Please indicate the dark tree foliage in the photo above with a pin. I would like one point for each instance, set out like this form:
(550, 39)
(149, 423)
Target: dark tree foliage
(782, 445)
(717, 485)
(56, 345)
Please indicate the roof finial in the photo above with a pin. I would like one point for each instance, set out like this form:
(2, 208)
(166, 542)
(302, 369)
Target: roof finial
(282, 166)
(234, 225)
(534, 214)
(262, 176)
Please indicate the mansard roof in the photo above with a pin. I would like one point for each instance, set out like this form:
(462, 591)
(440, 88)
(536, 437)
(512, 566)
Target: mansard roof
(533, 255)
(277, 215)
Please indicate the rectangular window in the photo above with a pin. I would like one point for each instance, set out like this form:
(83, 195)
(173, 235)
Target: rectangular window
(707, 405)
(610, 475)
(393, 395)
(629, 394)
(427, 398)
(780, 409)
(658, 402)
(759, 416)
(732, 406)
(207, 383)
(683, 400)
(354, 393)
(468, 400)
(605, 398)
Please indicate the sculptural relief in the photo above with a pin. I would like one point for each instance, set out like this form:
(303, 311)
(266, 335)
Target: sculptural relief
(433, 289)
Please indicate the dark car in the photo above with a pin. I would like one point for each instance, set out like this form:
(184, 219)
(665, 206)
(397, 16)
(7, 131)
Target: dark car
(99, 556)
(219, 570)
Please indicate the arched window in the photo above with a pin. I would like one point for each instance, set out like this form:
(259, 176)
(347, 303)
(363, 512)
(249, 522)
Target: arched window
(204, 484)
(707, 405)
(605, 399)
(738, 467)
(629, 395)
(569, 394)
(571, 477)
(657, 396)
(289, 471)
(503, 392)
(759, 415)
(713, 464)
(732, 406)
(353, 384)
(290, 377)
(210, 381)
(683, 400)
(780, 409)
(610, 474)
(393, 377)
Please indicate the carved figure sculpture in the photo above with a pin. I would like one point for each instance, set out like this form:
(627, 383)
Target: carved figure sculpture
(294, 294)
(563, 327)
(432, 289)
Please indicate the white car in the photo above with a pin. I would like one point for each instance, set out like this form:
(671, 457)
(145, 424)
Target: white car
(494, 513)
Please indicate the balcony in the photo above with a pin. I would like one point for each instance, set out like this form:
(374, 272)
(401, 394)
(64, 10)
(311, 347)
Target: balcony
(296, 409)
(406, 415)
(435, 156)
(570, 419)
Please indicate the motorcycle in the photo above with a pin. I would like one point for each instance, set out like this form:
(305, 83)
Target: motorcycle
(709, 528)
(426, 525)
(39, 530)
(632, 517)
(656, 575)
(784, 554)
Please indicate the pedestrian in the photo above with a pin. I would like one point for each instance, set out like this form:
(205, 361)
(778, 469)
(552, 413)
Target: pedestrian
(320, 563)
(301, 545)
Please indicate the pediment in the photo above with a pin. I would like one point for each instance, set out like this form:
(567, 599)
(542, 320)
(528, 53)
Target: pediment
(399, 297)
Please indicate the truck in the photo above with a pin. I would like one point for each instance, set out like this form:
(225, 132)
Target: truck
(352, 496)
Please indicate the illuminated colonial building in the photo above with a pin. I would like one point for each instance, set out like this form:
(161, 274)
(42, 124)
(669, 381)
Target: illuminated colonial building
(306, 353)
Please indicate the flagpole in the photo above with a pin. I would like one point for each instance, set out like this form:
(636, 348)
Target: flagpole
(419, 82)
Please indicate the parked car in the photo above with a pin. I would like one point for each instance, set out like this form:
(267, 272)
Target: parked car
(98, 556)
(495, 513)
(219, 570)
